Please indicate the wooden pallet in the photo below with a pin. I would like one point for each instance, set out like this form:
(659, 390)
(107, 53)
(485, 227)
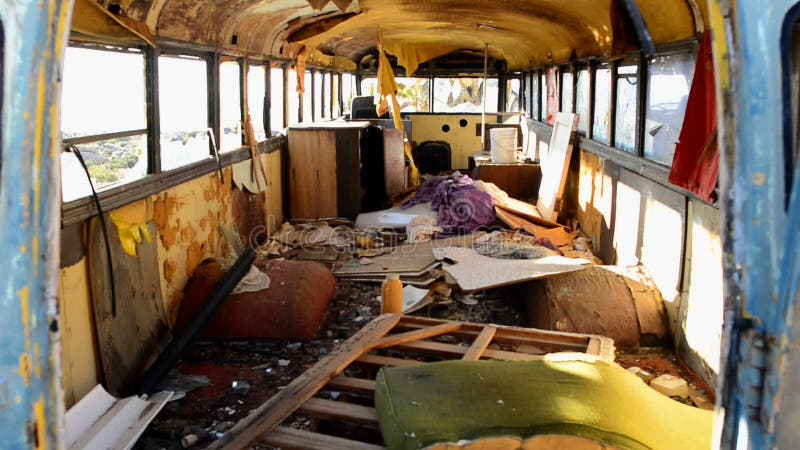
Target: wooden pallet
(336, 394)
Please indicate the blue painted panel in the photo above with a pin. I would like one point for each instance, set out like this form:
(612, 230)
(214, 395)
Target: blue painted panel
(31, 400)
(763, 234)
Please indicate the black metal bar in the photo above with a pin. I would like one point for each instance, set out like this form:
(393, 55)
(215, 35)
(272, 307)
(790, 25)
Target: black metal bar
(641, 103)
(101, 216)
(612, 105)
(212, 99)
(642, 34)
(66, 143)
(169, 357)
(153, 115)
(591, 72)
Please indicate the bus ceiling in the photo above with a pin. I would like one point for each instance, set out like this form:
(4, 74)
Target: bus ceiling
(339, 33)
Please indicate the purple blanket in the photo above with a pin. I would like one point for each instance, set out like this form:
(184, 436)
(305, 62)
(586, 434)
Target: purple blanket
(459, 205)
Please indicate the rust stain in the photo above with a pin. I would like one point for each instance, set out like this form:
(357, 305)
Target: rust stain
(25, 368)
(37, 361)
(194, 255)
(169, 270)
(40, 423)
(162, 209)
(188, 234)
(24, 307)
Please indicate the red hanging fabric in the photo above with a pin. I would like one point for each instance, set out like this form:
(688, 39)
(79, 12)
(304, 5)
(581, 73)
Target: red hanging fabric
(695, 165)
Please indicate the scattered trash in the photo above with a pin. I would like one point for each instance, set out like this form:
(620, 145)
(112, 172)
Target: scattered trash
(467, 299)
(284, 362)
(670, 386)
(240, 387)
(294, 346)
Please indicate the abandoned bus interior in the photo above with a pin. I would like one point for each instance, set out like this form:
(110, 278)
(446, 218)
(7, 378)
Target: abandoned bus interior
(362, 224)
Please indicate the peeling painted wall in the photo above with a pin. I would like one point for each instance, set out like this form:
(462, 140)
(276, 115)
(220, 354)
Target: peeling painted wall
(634, 220)
(187, 219)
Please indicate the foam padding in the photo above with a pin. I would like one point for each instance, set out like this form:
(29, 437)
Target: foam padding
(449, 401)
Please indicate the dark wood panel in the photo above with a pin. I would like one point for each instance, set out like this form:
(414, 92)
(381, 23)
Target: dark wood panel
(136, 335)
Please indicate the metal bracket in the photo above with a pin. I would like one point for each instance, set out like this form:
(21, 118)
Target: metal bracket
(753, 355)
(5, 401)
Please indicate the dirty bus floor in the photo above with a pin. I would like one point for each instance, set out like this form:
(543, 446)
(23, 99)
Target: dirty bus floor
(228, 379)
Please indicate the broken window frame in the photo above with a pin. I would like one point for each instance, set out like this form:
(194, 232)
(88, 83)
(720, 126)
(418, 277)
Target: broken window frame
(156, 179)
(240, 91)
(123, 133)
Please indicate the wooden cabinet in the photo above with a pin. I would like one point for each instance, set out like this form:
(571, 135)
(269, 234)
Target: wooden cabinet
(340, 169)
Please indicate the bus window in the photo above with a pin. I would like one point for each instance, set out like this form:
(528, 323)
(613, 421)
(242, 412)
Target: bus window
(230, 106)
(602, 103)
(543, 95)
(95, 103)
(464, 95)
(669, 78)
(307, 115)
(277, 96)
(566, 92)
(326, 96)
(626, 107)
(513, 94)
(413, 94)
(348, 91)
(335, 108)
(535, 94)
(183, 103)
(294, 98)
(582, 101)
(256, 94)
(319, 93)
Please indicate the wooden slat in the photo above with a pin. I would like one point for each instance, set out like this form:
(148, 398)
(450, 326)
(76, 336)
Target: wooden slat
(350, 384)
(380, 361)
(479, 344)
(418, 335)
(347, 412)
(512, 335)
(290, 439)
(458, 351)
(284, 403)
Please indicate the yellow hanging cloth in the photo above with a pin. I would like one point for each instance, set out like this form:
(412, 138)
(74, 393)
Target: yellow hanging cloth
(387, 89)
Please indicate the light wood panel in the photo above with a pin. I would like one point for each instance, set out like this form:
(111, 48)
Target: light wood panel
(312, 173)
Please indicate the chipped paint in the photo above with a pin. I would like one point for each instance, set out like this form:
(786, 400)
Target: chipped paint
(40, 423)
(24, 370)
(24, 307)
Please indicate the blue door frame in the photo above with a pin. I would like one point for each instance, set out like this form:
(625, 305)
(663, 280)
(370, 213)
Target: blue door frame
(31, 400)
(760, 236)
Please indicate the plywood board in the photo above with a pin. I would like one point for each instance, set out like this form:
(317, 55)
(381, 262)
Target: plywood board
(136, 335)
(404, 259)
(475, 272)
(558, 235)
(268, 423)
(312, 173)
(556, 165)
(394, 162)
(518, 207)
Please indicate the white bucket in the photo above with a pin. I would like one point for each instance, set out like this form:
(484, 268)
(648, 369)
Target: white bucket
(504, 145)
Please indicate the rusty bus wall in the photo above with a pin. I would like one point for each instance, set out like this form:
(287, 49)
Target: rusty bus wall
(524, 34)
(633, 217)
(187, 220)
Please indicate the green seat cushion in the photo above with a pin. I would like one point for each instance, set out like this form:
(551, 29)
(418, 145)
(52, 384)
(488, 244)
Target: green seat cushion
(433, 403)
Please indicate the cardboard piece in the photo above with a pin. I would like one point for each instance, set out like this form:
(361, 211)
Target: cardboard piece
(474, 272)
